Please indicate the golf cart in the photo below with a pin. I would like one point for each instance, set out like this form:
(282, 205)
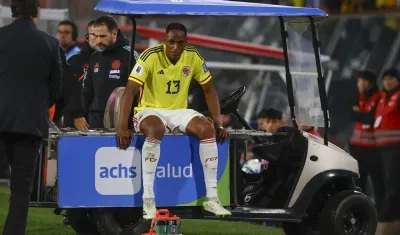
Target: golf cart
(310, 185)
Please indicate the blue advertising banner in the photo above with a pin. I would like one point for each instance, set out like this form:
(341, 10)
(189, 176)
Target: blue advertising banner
(92, 172)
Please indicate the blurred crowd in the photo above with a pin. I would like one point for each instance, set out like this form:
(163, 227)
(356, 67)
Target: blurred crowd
(337, 6)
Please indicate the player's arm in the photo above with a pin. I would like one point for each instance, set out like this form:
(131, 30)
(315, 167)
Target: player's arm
(203, 77)
(136, 80)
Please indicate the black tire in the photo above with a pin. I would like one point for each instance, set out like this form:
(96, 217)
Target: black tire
(81, 221)
(121, 221)
(348, 213)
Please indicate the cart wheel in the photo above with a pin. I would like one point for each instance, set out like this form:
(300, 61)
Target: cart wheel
(116, 221)
(81, 221)
(348, 212)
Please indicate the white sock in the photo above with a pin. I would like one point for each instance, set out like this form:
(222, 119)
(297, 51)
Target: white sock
(150, 158)
(209, 157)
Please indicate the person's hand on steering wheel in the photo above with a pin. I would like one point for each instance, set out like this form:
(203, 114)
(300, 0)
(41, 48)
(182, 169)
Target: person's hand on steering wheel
(124, 138)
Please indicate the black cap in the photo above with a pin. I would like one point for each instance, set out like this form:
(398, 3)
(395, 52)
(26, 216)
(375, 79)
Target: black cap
(368, 75)
(391, 72)
(271, 114)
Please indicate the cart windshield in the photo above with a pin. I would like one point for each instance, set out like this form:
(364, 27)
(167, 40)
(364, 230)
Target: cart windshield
(303, 68)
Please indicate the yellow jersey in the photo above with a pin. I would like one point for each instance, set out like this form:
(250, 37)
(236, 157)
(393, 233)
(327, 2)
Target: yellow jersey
(163, 84)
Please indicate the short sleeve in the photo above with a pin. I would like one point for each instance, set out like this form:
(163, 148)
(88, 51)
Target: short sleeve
(140, 71)
(202, 74)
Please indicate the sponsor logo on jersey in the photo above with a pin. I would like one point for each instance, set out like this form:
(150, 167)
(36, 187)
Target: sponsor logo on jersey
(96, 68)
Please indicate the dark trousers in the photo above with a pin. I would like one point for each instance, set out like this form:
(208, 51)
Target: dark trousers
(4, 168)
(391, 181)
(22, 151)
(369, 164)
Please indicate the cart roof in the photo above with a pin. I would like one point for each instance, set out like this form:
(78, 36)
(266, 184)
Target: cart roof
(202, 8)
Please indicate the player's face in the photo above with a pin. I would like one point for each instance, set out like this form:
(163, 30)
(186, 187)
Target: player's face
(390, 83)
(104, 37)
(175, 42)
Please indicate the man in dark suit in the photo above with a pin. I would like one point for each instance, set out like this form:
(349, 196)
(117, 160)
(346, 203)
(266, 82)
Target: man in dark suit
(30, 82)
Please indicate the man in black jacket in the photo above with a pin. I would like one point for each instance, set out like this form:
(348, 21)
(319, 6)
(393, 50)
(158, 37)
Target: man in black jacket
(108, 68)
(30, 83)
(70, 105)
(78, 64)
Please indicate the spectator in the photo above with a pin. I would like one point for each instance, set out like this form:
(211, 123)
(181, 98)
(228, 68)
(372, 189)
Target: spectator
(362, 143)
(67, 34)
(387, 138)
(30, 83)
(108, 68)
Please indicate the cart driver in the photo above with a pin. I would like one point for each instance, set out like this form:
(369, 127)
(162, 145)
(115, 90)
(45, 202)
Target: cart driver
(163, 74)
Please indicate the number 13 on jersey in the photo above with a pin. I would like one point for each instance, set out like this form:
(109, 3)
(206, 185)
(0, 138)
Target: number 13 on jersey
(173, 86)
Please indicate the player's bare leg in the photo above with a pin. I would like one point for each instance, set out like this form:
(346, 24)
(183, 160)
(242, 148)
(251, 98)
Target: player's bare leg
(204, 130)
(153, 128)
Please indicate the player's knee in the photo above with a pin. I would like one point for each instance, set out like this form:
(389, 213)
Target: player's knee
(155, 132)
(205, 130)
(152, 129)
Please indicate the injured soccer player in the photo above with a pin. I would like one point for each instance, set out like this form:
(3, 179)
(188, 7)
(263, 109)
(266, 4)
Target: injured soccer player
(163, 75)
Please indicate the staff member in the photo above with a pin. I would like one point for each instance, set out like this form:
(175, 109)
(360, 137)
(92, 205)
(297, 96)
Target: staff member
(362, 143)
(67, 35)
(30, 83)
(78, 63)
(70, 105)
(387, 137)
(108, 68)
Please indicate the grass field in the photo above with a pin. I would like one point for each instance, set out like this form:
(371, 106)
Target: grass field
(44, 222)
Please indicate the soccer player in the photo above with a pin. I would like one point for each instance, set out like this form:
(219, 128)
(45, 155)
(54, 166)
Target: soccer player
(163, 74)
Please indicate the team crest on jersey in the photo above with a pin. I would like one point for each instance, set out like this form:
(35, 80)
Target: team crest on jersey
(116, 64)
(185, 71)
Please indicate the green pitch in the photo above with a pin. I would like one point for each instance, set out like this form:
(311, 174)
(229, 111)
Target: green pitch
(44, 222)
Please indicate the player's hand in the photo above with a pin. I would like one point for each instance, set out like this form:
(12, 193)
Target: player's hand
(222, 134)
(81, 124)
(124, 138)
(356, 108)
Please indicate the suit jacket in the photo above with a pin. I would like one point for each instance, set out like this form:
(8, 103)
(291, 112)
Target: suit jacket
(30, 78)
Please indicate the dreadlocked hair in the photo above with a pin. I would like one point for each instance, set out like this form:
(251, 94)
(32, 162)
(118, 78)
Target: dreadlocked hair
(25, 8)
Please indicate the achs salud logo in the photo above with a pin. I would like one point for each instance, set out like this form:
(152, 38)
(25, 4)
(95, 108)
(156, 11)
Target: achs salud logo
(118, 172)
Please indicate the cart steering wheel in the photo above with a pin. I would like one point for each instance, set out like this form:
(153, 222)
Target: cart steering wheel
(230, 103)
